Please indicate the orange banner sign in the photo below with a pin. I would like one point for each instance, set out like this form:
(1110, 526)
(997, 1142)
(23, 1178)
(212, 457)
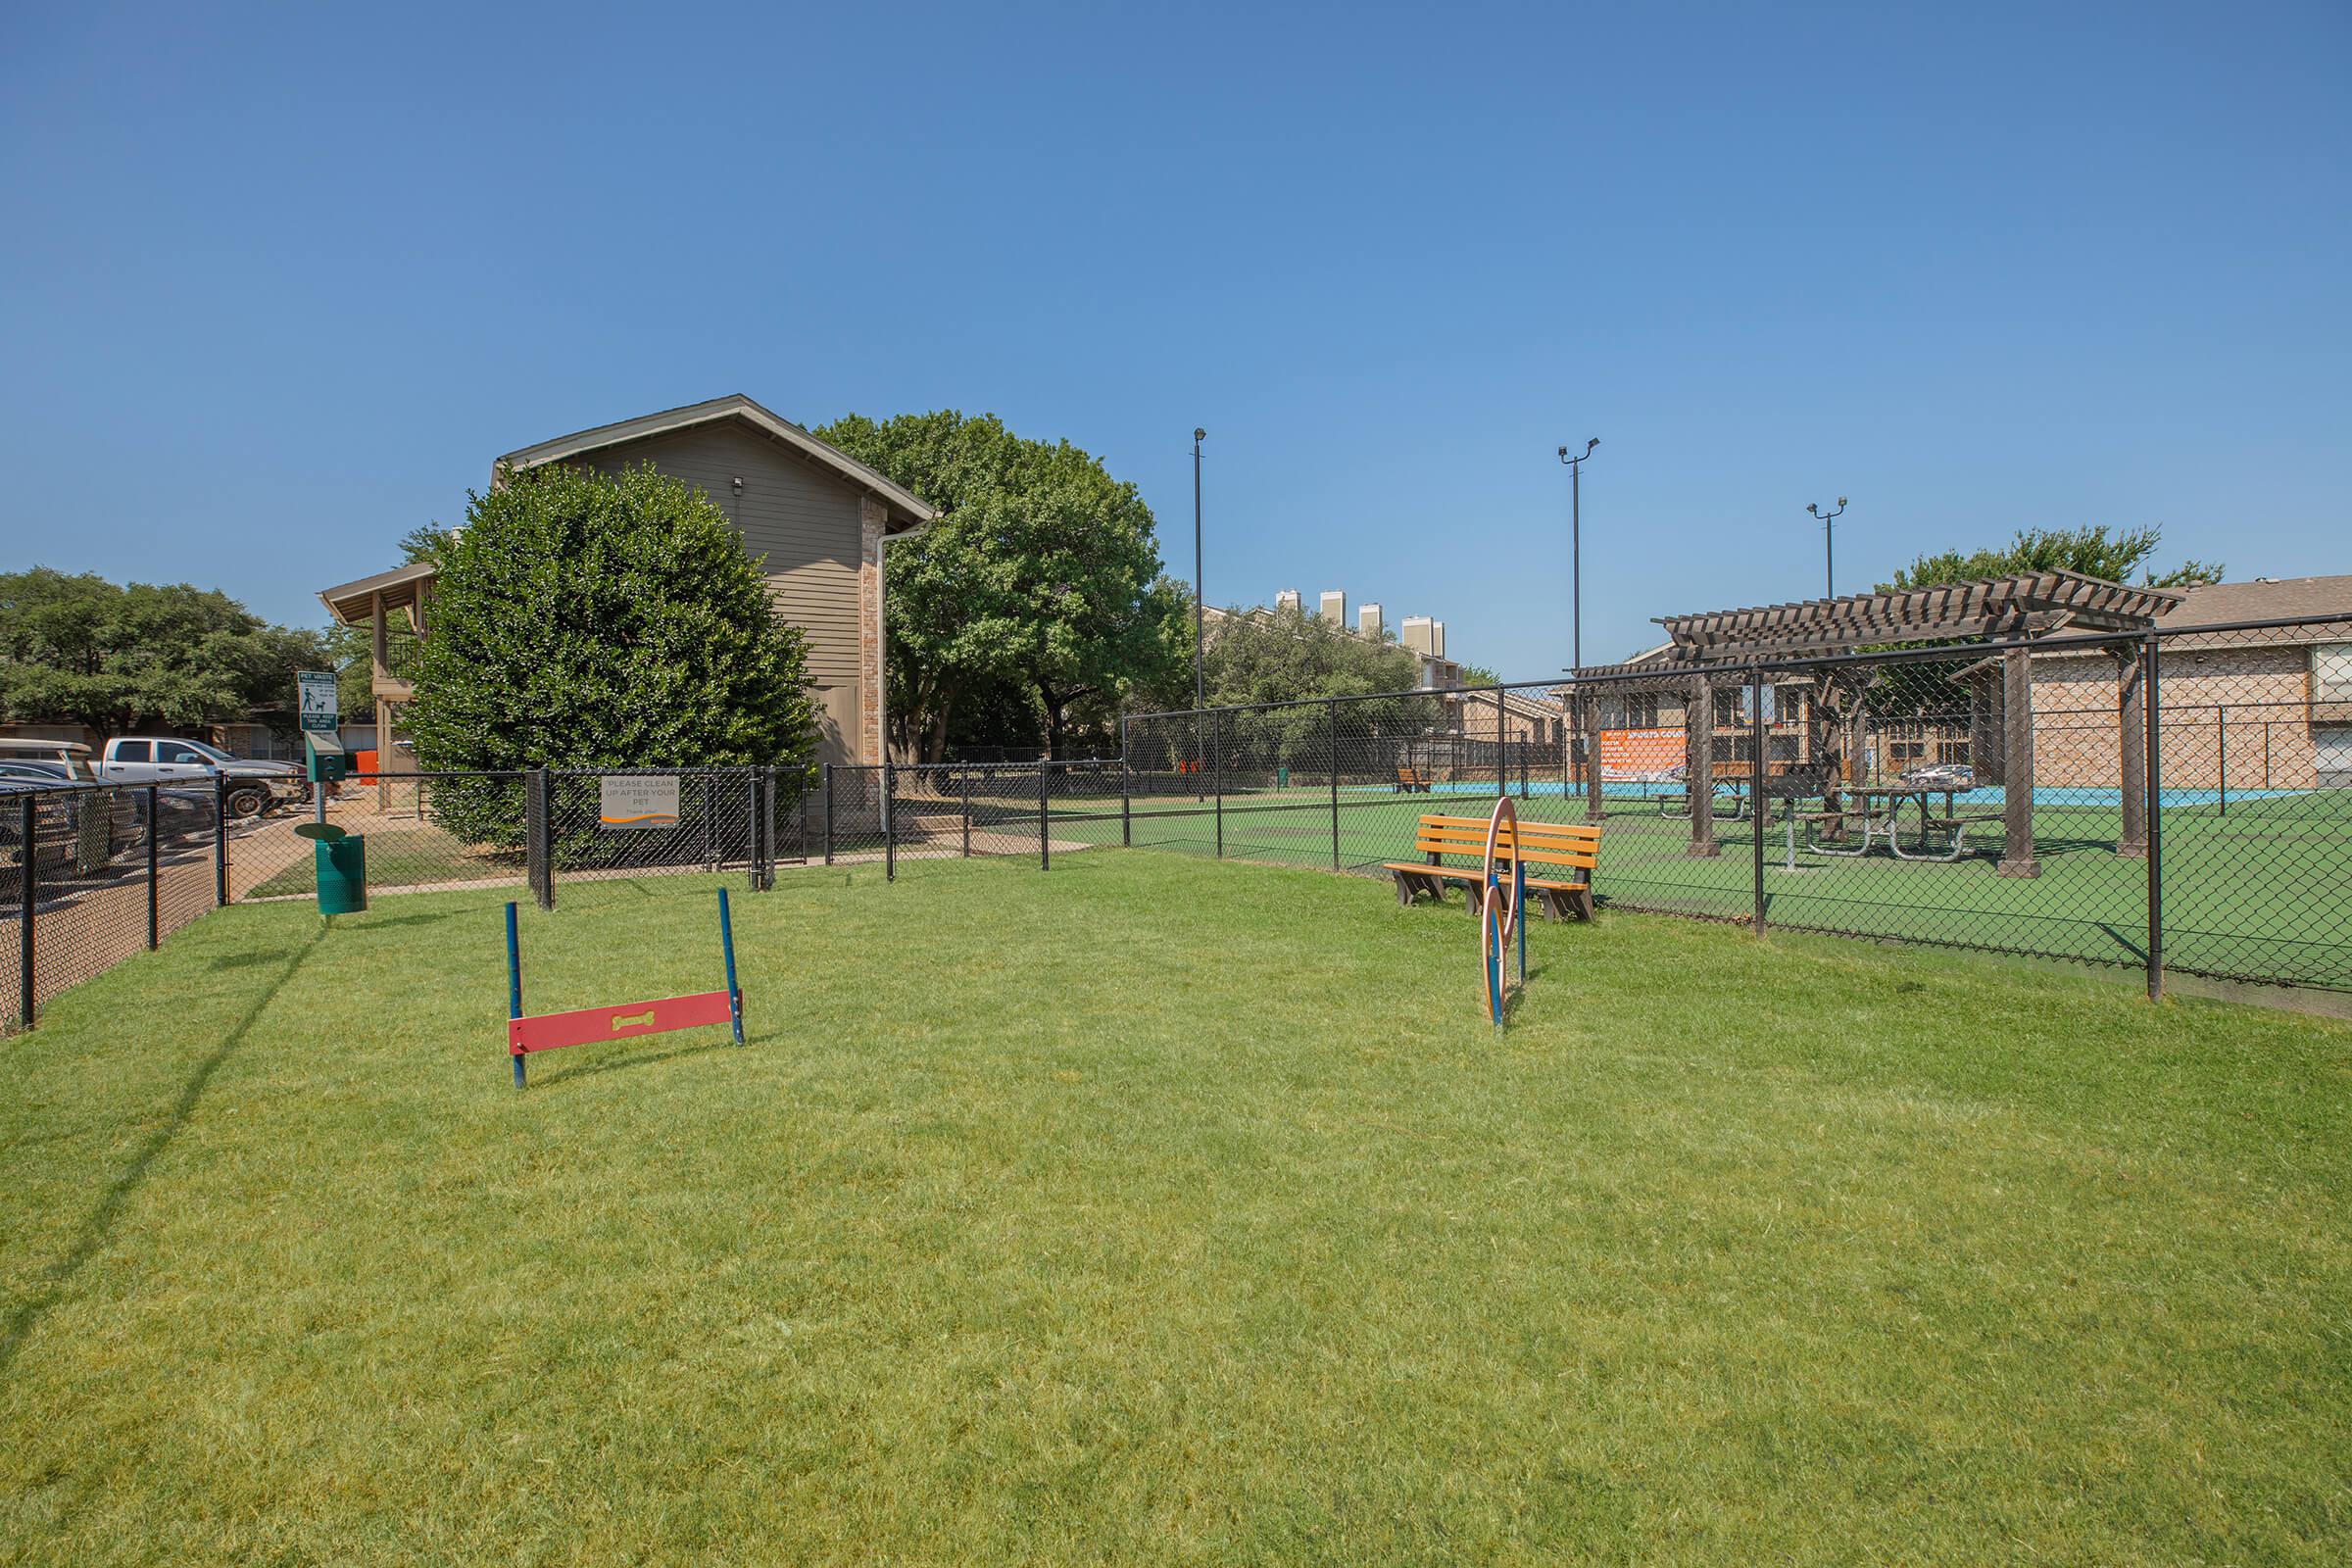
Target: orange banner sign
(1640, 753)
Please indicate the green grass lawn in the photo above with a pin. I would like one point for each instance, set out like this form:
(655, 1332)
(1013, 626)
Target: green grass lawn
(1154, 1211)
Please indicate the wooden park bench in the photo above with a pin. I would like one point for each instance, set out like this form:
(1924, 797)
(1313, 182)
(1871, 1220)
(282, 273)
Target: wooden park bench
(1573, 847)
(1412, 782)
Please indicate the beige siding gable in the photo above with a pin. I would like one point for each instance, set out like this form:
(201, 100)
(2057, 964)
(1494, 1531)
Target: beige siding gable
(801, 521)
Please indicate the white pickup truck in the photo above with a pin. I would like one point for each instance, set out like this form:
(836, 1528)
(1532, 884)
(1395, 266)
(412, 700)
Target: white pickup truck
(253, 786)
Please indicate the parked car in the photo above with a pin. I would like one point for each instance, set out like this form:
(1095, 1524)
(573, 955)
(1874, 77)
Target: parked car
(254, 787)
(186, 811)
(75, 823)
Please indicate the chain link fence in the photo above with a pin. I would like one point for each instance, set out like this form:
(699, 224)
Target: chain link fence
(98, 886)
(956, 811)
(2181, 801)
(91, 874)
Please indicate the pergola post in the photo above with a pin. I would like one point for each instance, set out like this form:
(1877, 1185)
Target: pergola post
(2132, 738)
(1699, 738)
(1591, 738)
(379, 667)
(2017, 764)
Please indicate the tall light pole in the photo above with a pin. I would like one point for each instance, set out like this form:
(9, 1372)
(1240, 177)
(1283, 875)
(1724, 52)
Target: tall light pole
(1575, 550)
(1199, 613)
(1829, 557)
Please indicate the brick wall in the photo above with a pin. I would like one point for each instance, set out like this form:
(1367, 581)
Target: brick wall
(2240, 714)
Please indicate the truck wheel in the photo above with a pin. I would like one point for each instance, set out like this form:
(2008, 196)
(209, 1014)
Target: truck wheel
(246, 799)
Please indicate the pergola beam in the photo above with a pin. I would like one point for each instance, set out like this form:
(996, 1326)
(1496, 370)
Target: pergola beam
(2023, 604)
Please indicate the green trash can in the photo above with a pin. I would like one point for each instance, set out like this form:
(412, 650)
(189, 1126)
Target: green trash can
(1282, 776)
(342, 874)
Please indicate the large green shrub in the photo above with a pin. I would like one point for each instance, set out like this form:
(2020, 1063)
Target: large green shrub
(592, 621)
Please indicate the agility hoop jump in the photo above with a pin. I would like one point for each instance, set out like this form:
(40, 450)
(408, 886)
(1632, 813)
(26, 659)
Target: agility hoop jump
(551, 1031)
(1499, 915)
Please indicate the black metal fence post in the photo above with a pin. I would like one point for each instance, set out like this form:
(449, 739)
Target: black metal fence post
(2221, 756)
(1217, 772)
(220, 841)
(2155, 789)
(968, 813)
(539, 830)
(1045, 851)
(154, 909)
(28, 898)
(1332, 715)
(1126, 791)
(762, 827)
(1503, 766)
(1758, 807)
(828, 814)
(799, 787)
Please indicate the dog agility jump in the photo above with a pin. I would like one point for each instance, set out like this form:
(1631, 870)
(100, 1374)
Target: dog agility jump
(1500, 914)
(551, 1031)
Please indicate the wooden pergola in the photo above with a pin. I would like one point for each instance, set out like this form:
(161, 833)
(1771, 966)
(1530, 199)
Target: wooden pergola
(1704, 648)
(405, 590)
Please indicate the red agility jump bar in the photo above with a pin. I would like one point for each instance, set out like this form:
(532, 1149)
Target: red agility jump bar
(584, 1026)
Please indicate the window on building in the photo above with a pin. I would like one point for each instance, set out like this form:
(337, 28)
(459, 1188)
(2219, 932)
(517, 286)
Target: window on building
(1642, 712)
(2332, 673)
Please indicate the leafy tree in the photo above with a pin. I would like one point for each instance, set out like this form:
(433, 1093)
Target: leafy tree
(76, 648)
(582, 620)
(2088, 550)
(1931, 690)
(1282, 655)
(1043, 570)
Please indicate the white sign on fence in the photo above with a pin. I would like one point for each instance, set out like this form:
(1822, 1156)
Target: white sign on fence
(639, 800)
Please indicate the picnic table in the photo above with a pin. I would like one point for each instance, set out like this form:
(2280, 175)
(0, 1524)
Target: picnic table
(1880, 809)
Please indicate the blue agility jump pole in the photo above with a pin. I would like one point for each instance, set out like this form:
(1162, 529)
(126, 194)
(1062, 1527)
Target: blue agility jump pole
(726, 940)
(513, 985)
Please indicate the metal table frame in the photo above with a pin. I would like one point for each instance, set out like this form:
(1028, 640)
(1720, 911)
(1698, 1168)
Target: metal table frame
(1887, 820)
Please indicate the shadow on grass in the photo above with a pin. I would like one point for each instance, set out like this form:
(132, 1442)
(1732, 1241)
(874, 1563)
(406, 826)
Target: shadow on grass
(246, 960)
(621, 1063)
(373, 923)
(100, 1226)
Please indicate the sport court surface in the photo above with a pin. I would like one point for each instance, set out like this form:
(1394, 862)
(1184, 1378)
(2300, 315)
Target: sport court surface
(1156, 1210)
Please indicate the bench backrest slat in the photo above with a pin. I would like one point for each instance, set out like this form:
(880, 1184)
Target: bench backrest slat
(1576, 844)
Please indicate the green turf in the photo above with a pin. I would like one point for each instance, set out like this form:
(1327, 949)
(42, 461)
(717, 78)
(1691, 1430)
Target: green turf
(1152, 1210)
(2262, 892)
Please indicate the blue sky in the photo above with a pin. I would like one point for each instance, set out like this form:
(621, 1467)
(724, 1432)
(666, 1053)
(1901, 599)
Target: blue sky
(281, 282)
